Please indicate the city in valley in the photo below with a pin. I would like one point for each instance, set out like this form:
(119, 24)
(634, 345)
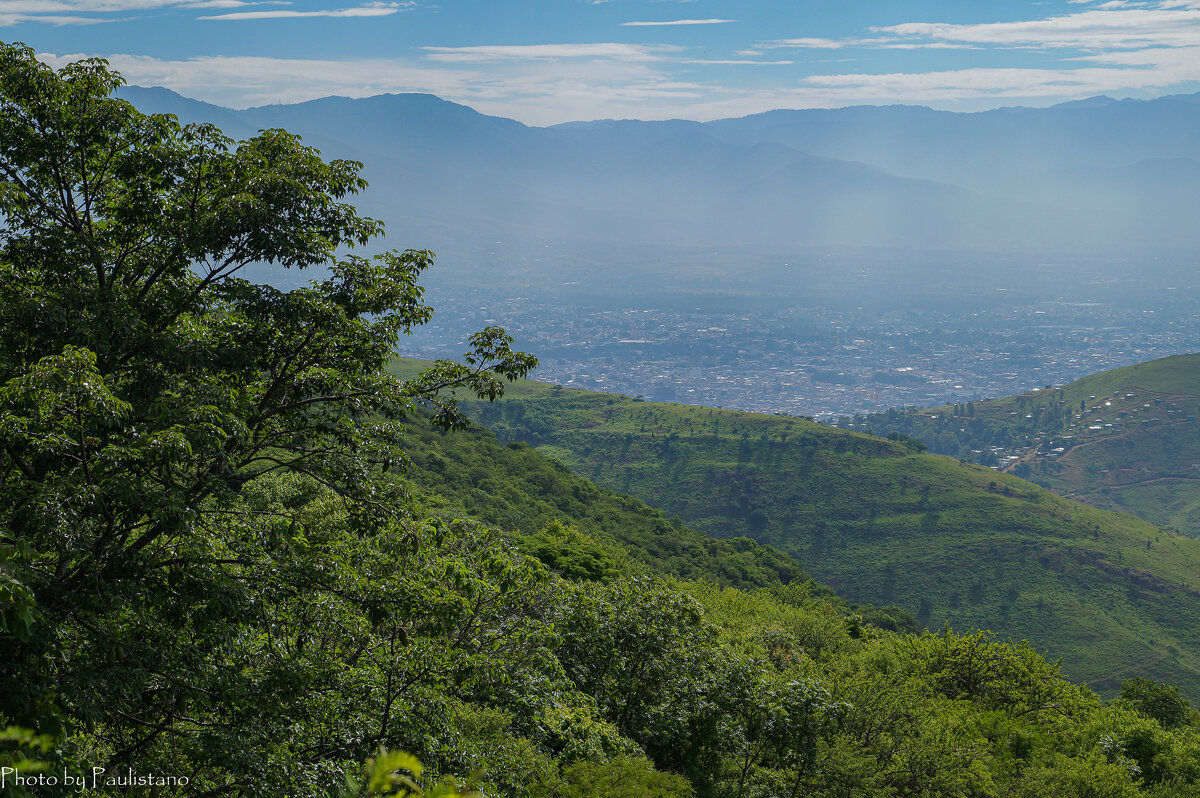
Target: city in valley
(827, 361)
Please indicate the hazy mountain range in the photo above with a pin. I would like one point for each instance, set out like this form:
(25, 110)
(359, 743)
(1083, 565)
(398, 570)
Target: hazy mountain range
(1099, 174)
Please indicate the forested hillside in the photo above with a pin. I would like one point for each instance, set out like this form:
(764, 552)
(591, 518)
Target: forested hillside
(240, 555)
(1125, 440)
(883, 522)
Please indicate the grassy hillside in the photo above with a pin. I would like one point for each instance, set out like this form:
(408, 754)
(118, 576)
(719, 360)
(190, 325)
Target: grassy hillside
(586, 532)
(953, 543)
(1125, 440)
(516, 488)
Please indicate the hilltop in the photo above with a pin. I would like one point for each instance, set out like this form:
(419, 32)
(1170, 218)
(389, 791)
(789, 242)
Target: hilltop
(883, 522)
(1126, 440)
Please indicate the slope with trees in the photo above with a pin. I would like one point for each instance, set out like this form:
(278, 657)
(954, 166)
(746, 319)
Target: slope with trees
(883, 522)
(1126, 440)
(216, 579)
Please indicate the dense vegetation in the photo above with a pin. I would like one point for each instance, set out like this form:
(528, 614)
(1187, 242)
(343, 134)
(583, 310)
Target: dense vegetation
(883, 522)
(582, 531)
(1125, 440)
(227, 567)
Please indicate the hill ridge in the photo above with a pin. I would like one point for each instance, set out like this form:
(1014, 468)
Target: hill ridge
(880, 521)
(1129, 432)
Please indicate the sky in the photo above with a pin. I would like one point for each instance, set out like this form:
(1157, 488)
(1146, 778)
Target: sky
(548, 61)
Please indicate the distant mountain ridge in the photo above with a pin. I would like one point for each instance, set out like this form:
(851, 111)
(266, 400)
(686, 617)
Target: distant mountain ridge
(898, 176)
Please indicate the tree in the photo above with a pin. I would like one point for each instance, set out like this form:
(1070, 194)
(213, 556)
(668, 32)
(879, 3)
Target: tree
(144, 383)
(1154, 700)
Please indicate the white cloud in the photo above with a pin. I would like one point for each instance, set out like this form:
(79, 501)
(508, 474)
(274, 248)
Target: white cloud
(805, 43)
(235, 3)
(537, 52)
(92, 6)
(877, 43)
(1116, 24)
(1100, 50)
(1100, 28)
(8, 20)
(370, 10)
(720, 61)
(676, 22)
(892, 45)
(242, 81)
(1132, 46)
(1167, 66)
(67, 12)
(577, 88)
(955, 86)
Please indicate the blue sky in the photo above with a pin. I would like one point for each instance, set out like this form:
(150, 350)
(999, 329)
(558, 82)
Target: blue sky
(549, 61)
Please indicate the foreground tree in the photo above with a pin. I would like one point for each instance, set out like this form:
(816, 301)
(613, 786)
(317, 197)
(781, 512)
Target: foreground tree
(144, 384)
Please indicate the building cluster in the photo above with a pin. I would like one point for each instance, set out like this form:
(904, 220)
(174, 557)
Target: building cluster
(816, 361)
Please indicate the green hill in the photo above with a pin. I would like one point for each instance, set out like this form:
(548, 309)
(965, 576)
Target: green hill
(586, 532)
(809, 701)
(516, 488)
(881, 522)
(1126, 440)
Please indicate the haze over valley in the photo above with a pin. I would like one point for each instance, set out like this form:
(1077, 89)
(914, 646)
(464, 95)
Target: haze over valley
(817, 263)
(831, 355)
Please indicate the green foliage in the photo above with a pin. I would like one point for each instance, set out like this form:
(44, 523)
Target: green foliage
(944, 541)
(393, 774)
(1123, 440)
(519, 489)
(21, 755)
(211, 567)
(569, 552)
(1159, 701)
(625, 777)
(151, 594)
(1011, 678)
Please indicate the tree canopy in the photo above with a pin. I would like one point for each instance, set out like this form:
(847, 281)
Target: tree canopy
(219, 576)
(145, 383)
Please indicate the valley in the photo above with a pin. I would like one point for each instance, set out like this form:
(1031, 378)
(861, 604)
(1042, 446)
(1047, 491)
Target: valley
(821, 350)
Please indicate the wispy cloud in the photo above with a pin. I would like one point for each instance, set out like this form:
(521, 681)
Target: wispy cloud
(676, 22)
(991, 86)
(806, 43)
(734, 61)
(876, 42)
(236, 3)
(369, 10)
(1102, 47)
(540, 52)
(1117, 24)
(1101, 28)
(241, 81)
(598, 87)
(577, 88)
(71, 12)
(83, 6)
(8, 20)
(1130, 46)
